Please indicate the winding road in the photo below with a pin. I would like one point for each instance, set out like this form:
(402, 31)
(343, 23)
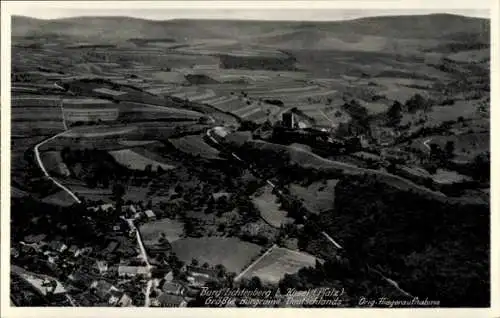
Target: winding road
(426, 143)
(44, 170)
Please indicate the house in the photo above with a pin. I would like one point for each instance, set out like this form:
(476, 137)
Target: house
(34, 239)
(200, 271)
(52, 259)
(102, 267)
(132, 209)
(173, 288)
(103, 207)
(112, 246)
(138, 215)
(167, 300)
(14, 252)
(75, 250)
(103, 289)
(132, 271)
(27, 249)
(169, 276)
(86, 250)
(219, 195)
(125, 301)
(150, 214)
(58, 246)
(199, 276)
(118, 298)
(82, 278)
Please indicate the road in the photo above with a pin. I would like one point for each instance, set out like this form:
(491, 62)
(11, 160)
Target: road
(44, 170)
(144, 254)
(426, 143)
(147, 301)
(327, 118)
(62, 113)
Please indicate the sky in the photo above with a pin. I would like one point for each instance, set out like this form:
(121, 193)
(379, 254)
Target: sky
(244, 10)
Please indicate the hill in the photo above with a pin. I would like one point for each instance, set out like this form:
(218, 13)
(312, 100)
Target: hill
(373, 33)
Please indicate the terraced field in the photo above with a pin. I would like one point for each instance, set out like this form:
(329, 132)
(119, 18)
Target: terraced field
(135, 161)
(195, 146)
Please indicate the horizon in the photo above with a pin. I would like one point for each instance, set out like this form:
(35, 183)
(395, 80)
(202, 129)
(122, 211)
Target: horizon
(285, 15)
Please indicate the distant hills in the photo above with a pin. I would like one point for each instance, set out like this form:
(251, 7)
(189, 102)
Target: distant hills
(372, 33)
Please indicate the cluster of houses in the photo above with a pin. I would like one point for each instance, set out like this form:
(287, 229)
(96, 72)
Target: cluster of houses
(131, 210)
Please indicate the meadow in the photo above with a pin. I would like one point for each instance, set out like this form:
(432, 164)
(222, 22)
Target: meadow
(231, 252)
(277, 262)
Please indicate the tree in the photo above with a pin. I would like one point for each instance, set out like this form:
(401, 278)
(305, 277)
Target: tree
(481, 167)
(159, 170)
(118, 190)
(148, 169)
(205, 265)
(435, 151)
(450, 149)
(194, 262)
(417, 102)
(394, 113)
(221, 270)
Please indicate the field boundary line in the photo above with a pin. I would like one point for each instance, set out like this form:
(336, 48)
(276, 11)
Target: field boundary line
(240, 275)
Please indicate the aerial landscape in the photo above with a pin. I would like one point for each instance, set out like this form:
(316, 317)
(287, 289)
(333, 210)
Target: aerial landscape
(245, 163)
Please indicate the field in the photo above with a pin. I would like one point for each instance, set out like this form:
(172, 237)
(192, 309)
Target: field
(266, 202)
(233, 253)
(318, 197)
(135, 161)
(448, 177)
(151, 231)
(277, 262)
(53, 163)
(440, 114)
(61, 198)
(195, 146)
(309, 160)
(467, 146)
